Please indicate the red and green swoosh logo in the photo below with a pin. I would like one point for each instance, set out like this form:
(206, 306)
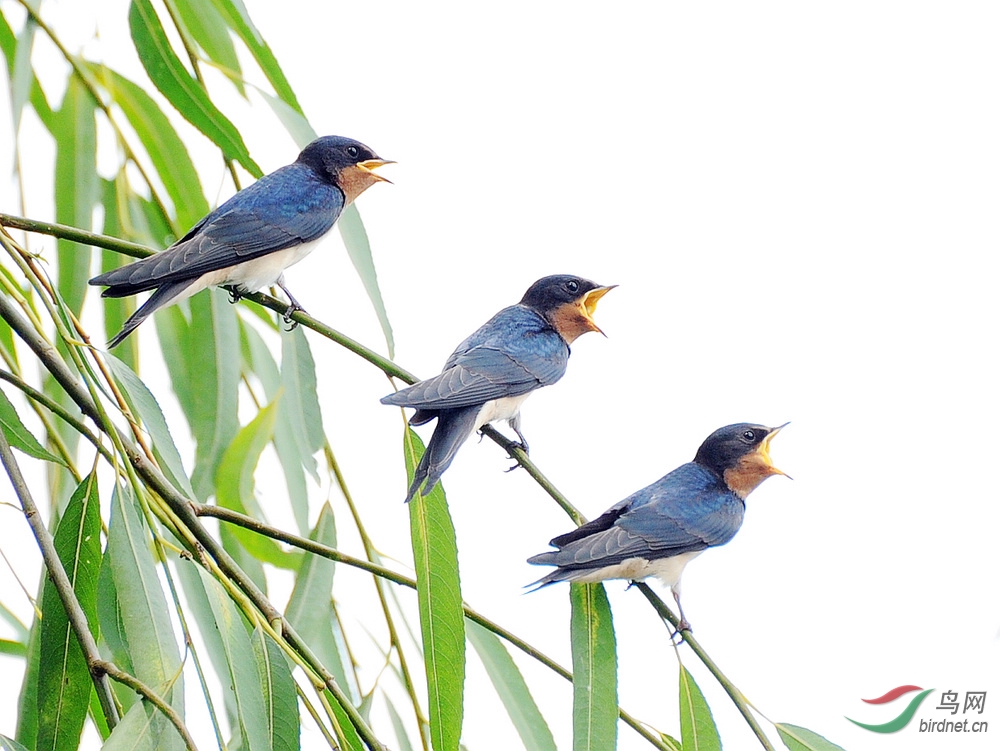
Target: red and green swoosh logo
(904, 717)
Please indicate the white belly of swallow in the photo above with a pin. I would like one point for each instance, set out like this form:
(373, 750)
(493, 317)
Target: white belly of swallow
(251, 276)
(668, 570)
(500, 409)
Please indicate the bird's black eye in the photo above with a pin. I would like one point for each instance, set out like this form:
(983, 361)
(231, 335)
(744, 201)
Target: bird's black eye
(573, 286)
(352, 151)
(749, 435)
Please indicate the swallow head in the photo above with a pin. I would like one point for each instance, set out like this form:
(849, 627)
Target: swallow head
(567, 303)
(741, 454)
(346, 163)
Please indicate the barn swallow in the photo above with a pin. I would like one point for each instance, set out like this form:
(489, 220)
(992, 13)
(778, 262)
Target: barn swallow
(490, 374)
(661, 528)
(248, 241)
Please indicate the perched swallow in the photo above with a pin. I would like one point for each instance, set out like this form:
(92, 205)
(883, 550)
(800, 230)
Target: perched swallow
(250, 240)
(658, 530)
(490, 374)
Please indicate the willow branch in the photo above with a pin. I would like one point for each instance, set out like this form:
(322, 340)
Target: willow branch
(60, 580)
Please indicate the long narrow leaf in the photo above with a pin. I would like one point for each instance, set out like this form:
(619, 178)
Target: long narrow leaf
(15, 60)
(439, 601)
(27, 700)
(235, 486)
(77, 187)
(352, 229)
(595, 666)
(278, 689)
(298, 379)
(203, 359)
(258, 361)
(142, 612)
(207, 28)
(19, 436)
(698, 731)
(64, 684)
(145, 407)
(241, 666)
(115, 198)
(310, 608)
(168, 74)
(10, 745)
(510, 686)
(801, 739)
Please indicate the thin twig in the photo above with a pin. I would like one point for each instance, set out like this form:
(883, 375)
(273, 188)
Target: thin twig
(60, 580)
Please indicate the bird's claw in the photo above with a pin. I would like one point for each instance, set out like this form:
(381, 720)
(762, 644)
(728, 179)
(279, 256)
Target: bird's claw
(287, 316)
(677, 632)
(234, 295)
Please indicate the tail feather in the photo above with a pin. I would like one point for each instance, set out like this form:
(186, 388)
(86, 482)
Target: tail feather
(454, 426)
(164, 295)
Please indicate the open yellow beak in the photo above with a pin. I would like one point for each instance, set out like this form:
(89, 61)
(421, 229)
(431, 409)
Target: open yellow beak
(372, 164)
(588, 304)
(764, 451)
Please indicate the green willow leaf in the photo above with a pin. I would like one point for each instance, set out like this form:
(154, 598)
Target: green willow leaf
(352, 230)
(13, 648)
(310, 608)
(278, 689)
(203, 360)
(145, 408)
(159, 138)
(595, 669)
(27, 700)
(294, 121)
(185, 93)
(19, 436)
(439, 601)
(402, 739)
(10, 745)
(139, 730)
(20, 70)
(114, 196)
(235, 12)
(77, 187)
(235, 486)
(142, 616)
(19, 66)
(64, 684)
(241, 666)
(259, 362)
(698, 731)
(800, 739)
(511, 688)
(206, 26)
(310, 611)
(298, 379)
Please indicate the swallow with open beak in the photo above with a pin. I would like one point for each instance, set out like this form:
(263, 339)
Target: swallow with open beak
(661, 528)
(490, 374)
(248, 241)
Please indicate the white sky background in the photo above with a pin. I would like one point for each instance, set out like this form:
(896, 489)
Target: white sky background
(799, 203)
